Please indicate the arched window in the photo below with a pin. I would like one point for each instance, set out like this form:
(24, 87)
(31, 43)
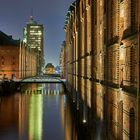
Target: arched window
(133, 16)
(132, 65)
(132, 124)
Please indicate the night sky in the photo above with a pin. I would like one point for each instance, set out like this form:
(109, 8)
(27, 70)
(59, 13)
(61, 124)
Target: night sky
(14, 14)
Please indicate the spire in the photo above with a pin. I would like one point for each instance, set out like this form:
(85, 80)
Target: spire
(31, 20)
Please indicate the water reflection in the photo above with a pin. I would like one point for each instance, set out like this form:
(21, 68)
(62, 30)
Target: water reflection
(40, 112)
(35, 117)
(9, 118)
(70, 127)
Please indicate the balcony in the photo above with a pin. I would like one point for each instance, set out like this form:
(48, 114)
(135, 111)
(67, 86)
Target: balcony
(129, 89)
(130, 31)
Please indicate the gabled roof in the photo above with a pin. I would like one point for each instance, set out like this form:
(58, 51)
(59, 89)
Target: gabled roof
(71, 8)
(8, 40)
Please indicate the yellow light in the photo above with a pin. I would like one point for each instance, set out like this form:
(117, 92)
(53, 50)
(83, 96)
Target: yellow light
(35, 117)
(84, 121)
(122, 52)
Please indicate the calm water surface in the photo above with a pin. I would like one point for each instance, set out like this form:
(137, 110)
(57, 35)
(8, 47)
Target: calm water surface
(39, 112)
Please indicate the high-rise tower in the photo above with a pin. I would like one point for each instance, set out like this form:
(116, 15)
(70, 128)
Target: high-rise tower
(34, 37)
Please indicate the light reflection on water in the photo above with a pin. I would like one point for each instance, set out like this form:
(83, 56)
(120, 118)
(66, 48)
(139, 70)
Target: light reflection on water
(35, 117)
(41, 112)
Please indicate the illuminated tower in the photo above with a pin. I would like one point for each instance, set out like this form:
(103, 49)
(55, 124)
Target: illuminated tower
(34, 37)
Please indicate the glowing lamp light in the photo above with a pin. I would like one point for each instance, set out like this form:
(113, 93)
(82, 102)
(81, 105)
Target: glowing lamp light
(73, 100)
(84, 121)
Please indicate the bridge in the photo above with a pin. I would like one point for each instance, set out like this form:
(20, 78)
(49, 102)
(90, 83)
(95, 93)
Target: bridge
(42, 79)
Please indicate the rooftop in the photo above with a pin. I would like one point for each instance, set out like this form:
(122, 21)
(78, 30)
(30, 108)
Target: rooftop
(8, 40)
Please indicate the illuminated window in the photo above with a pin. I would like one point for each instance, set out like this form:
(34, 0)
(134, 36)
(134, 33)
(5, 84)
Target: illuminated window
(34, 27)
(32, 31)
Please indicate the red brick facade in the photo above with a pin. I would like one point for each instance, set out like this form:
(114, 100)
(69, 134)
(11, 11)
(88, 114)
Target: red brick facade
(9, 61)
(16, 59)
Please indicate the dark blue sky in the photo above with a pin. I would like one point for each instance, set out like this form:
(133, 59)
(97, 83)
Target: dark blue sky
(14, 14)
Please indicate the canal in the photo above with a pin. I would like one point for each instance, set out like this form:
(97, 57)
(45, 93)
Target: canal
(37, 112)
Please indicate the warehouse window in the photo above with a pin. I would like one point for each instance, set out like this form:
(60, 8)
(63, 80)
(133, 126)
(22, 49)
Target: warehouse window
(133, 20)
(2, 60)
(132, 124)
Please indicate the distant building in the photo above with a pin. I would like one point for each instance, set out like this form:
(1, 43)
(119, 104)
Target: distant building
(9, 56)
(34, 37)
(57, 70)
(16, 60)
(50, 69)
(63, 60)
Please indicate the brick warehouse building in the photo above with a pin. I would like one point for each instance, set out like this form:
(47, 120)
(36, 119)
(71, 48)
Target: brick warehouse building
(16, 60)
(63, 60)
(102, 56)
